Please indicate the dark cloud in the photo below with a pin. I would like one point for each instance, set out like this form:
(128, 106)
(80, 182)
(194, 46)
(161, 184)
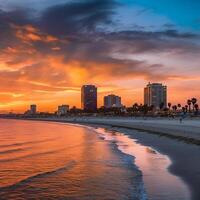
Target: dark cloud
(7, 19)
(72, 30)
(147, 35)
(77, 17)
(17, 16)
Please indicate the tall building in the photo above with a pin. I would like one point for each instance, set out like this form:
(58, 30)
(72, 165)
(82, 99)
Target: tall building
(155, 94)
(111, 101)
(33, 109)
(63, 109)
(89, 98)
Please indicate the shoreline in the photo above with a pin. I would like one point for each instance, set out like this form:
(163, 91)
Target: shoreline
(183, 152)
(188, 131)
(158, 181)
(180, 151)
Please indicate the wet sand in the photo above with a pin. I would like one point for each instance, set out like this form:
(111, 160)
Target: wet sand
(185, 157)
(159, 183)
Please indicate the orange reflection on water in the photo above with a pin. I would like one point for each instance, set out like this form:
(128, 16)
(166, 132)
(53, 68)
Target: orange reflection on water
(55, 161)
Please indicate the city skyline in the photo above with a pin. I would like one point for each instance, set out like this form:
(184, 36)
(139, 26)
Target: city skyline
(50, 49)
(100, 100)
(155, 98)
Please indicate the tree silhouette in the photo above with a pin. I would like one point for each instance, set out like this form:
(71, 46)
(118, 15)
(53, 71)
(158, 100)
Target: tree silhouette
(196, 106)
(189, 104)
(186, 108)
(174, 108)
(169, 105)
(194, 101)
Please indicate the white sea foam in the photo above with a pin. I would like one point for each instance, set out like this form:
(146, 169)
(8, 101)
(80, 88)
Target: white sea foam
(159, 183)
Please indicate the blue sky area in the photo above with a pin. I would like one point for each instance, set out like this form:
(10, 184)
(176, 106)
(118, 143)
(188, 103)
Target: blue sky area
(184, 14)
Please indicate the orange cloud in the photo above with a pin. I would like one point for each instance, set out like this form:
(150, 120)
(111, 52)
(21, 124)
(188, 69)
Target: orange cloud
(40, 68)
(53, 81)
(29, 33)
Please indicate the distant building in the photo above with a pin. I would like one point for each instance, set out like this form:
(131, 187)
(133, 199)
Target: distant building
(33, 109)
(89, 98)
(111, 101)
(63, 110)
(155, 94)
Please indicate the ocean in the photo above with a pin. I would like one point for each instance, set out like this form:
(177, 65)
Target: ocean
(47, 160)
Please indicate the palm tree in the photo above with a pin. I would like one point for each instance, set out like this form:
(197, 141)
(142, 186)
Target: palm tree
(169, 105)
(196, 106)
(135, 107)
(194, 101)
(179, 105)
(183, 109)
(145, 109)
(135, 104)
(174, 108)
(140, 108)
(189, 104)
(186, 107)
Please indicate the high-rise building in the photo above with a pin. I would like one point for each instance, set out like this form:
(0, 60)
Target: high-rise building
(33, 109)
(89, 98)
(155, 94)
(111, 101)
(63, 109)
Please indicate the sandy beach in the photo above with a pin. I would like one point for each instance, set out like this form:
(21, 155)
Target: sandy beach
(188, 130)
(185, 157)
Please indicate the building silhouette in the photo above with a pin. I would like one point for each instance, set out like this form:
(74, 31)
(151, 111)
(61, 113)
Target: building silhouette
(89, 98)
(33, 109)
(155, 94)
(63, 110)
(111, 101)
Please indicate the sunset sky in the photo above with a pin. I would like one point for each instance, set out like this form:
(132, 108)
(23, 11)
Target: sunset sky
(49, 48)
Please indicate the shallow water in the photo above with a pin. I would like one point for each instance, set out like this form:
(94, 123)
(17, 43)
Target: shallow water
(41, 160)
(58, 161)
(159, 183)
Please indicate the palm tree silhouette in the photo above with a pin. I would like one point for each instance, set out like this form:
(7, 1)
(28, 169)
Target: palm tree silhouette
(189, 104)
(193, 100)
(135, 107)
(196, 106)
(184, 110)
(186, 107)
(174, 108)
(169, 105)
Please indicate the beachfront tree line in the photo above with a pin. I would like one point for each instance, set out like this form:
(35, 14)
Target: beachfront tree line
(191, 108)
